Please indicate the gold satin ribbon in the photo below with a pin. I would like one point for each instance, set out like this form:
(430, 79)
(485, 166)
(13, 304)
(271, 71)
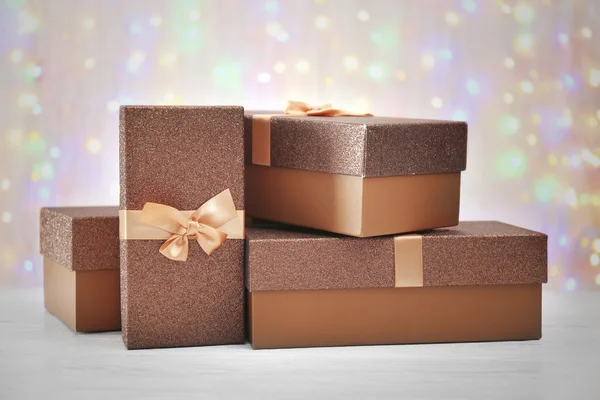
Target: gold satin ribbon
(212, 223)
(261, 126)
(302, 108)
(408, 258)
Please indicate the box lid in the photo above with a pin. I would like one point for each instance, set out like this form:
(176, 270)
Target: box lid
(364, 146)
(472, 253)
(81, 238)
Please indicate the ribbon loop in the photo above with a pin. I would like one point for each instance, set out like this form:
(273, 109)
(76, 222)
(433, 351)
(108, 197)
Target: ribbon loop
(203, 225)
(304, 109)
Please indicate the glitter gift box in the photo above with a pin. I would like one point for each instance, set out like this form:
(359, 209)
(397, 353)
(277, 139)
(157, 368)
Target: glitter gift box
(172, 161)
(80, 247)
(478, 281)
(358, 176)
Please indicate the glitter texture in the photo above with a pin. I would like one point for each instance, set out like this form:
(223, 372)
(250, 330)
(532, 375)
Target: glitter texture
(472, 253)
(367, 146)
(81, 238)
(181, 156)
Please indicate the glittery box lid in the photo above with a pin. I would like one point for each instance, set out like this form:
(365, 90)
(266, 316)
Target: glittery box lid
(365, 146)
(81, 238)
(180, 156)
(472, 253)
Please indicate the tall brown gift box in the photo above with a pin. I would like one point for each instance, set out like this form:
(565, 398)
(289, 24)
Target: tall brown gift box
(175, 159)
(479, 281)
(359, 176)
(80, 247)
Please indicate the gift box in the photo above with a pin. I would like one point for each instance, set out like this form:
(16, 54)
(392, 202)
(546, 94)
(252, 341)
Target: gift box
(355, 175)
(478, 281)
(80, 248)
(182, 247)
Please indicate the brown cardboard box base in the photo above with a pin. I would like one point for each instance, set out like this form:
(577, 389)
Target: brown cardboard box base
(311, 318)
(86, 301)
(353, 205)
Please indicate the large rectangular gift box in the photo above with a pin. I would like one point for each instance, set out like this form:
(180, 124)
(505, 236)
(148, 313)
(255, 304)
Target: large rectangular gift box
(478, 281)
(182, 247)
(355, 175)
(80, 246)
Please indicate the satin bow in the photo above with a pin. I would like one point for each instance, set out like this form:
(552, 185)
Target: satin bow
(202, 225)
(302, 108)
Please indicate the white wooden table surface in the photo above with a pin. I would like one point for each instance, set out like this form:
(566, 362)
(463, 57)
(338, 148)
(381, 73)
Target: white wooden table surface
(41, 358)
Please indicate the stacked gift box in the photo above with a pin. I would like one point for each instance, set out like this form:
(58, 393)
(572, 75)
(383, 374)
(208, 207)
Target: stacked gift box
(314, 227)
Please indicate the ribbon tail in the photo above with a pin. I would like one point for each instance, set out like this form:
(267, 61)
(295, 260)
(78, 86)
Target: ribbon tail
(175, 248)
(210, 239)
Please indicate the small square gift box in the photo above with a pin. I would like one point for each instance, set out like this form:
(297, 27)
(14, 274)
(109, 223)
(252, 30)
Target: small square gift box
(478, 281)
(356, 175)
(80, 247)
(182, 225)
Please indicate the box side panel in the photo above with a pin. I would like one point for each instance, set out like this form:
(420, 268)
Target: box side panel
(169, 304)
(395, 316)
(98, 306)
(480, 260)
(96, 243)
(416, 147)
(316, 200)
(399, 204)
(59, 292)
(56, 236)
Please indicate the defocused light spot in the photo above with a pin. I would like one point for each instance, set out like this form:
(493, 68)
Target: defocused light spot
(509, 124)
(586, 32)
(545, 188)
(135, 28)
(93, 145)
(566, 119)
(526, 86)
(351, 63)
(568, 81)
(536, 118)
(88, 23)
(26, 100)
(506, 9)
(524, 43)
(596, 245)
(564, 160)
(571, 284)
(508, 98)
(328, 81)
(553, 271)
(6, 217)
(595, 260)
(427, 61)
(28, 23)
(156, 20)
(89, 63)
(524, 13)
(436, 102)
(509, 63)
(271, 6)
(279, 67)
(44, 193)
(302, 66)
(452, 18)
(194, 15)
(264, 77)
(472, 86)
(563, 38)
(28, 265)
(511, 164)
(598, 279)
(552, 160)
(445, 54)
(16, 56)
(459, 115)
(590, 158)
(321, 22)
(37, 109)
(584, 199)
(54, 152)
(362, 15)
(594, 77)
(468, 5)
(135, 61)
(531, 139)
(591, 122)
(112, 106)
(400, 75)
(571, 198)
(375, 71)
(563, 240)
(168, 60)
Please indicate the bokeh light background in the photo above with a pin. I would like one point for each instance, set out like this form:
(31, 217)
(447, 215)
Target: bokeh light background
(524, 74)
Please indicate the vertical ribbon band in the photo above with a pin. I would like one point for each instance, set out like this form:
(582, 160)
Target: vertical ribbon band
(408, 258)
